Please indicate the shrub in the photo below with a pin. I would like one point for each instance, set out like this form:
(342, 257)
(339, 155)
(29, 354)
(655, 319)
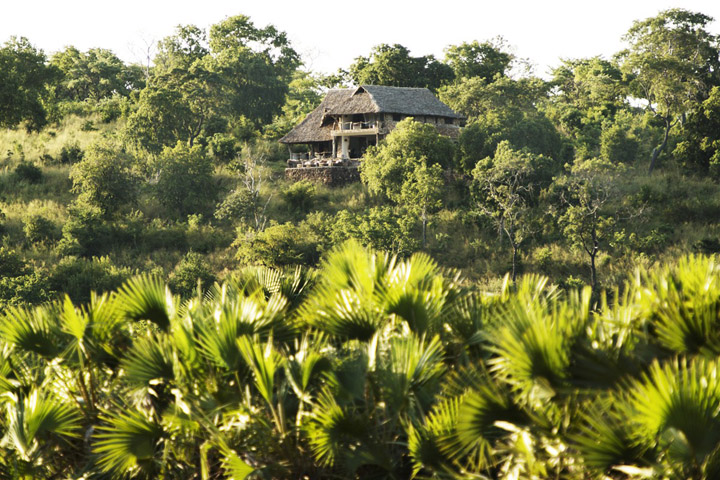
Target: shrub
(106, 178)
(190, 271)
(71, 153)
(238, 205)
(223, 147)
(28, 172)
(77, 277)
(278, 245)
(39, 229)
(11, 263)
(86, 233)
(707, 246)
(185, 183)
(300, 197)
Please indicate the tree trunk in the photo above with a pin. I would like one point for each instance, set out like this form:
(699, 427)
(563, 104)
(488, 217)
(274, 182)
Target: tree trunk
(424, 229)
(593, 268)
(514, 261)
(657, 150)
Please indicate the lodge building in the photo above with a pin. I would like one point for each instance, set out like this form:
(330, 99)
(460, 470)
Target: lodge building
(349, 120)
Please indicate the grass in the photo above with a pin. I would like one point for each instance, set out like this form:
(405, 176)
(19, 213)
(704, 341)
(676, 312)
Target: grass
(36, 147)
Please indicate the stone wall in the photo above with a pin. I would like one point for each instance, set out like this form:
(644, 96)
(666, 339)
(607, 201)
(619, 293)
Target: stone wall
(331, 176)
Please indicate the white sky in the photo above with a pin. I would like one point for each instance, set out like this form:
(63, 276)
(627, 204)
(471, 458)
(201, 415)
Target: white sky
(331, 33)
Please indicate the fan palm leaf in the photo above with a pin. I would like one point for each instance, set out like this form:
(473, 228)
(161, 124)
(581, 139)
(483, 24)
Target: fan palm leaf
(682, 303)
(127, 444)
(410, 374)
(32, 330)
(32, 421)
(676, 407)
(147, 298)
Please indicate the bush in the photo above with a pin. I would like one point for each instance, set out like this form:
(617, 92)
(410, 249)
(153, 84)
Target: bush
(11, 263)
(238, 205)
(106, 178)
(18, 285)
(205, 238)
(223, 147)
(39, 229)
(71, 153)
(86, 232)
(28, 172)
(300, 197)
(278, 245)
(191, 270)
(617, 145)
(77, 277)
(185, 180)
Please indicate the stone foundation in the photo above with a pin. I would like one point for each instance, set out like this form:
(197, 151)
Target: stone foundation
(330, 176)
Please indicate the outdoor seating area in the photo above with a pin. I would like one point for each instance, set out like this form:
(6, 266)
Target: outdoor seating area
(320, 160)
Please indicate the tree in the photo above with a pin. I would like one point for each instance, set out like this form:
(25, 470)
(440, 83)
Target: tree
(392, 65)
(422, 192)
(175, 107)
(588, 220)
(586, 93)
(387, 166)
(671, 58)
(24, 86)
(505, 109)
(487, 60)
(93, 75)
(502, 188)
(185, 180)
(700, 148)
(256, 66)
(106, 177)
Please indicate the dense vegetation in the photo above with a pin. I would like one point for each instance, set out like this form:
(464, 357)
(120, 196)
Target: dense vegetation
(373, 367)
(247, 325)
(173, 167)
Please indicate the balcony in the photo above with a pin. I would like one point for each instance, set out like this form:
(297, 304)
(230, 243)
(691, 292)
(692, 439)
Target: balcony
(357, 128)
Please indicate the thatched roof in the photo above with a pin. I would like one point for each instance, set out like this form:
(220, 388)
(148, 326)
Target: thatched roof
(366, 99)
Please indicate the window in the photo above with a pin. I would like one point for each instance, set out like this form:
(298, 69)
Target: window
(448, 121)
(397, 117)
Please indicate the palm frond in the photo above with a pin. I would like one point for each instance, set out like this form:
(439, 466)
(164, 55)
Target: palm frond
(127, 443)
(149, 361)
(31, 420)
(147, 298)
(33, 330)
(682, 303)
(676, 406)
(410, 374)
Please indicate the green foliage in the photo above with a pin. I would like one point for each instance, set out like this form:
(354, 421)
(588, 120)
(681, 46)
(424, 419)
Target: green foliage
(505, 109)
(699, 149)
(300, 197)
(39, 229)
(28, 172)
(387, 167)
(486, 60)
(190, 275)
(670, 57)
(77, 277)
(392, 65)
(71, 153)
(106, 178)
(383, 367)
(93, 75)
(25, 84)
(86, 231)
(278, 245)
(184, 180)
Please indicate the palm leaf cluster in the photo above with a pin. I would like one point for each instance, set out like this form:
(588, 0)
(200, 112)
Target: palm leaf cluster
(371, 367)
